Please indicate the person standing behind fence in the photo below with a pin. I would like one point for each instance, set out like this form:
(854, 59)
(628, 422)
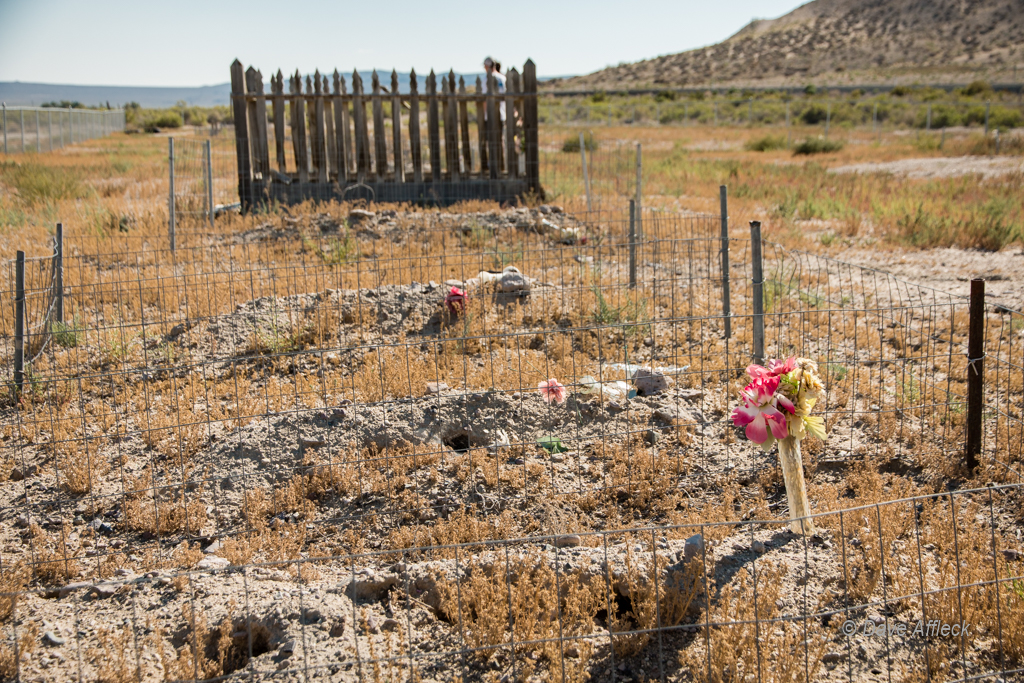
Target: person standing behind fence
(494, 68)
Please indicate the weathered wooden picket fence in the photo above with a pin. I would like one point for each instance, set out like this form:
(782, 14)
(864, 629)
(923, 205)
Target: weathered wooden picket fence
(339, 150)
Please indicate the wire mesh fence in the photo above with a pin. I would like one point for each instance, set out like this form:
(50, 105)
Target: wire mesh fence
(44, 129)
(318, 448)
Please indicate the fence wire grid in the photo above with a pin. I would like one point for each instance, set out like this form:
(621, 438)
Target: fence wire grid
(297, 453)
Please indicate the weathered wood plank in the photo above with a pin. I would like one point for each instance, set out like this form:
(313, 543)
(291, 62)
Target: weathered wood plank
(332, 141)
(433, 131)
(467, 151)
(257, 127)
(320, 137)
(346, 126)
(277, 87)
(380, 144)
(340, 131)
(481, 129)
(511, 91)
(530, 127)
(451, 129)
(299, 129)
(313, 131)
(241, 118)
(493, 127)
(361, 133)
(396, 129)
(415, 151)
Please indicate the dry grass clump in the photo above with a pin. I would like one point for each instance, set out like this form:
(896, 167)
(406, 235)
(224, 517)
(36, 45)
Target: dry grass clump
(162, 510)
(743, 644)
(53, 560)
(205, 652)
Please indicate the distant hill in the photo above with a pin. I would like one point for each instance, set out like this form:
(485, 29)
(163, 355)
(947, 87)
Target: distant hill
(34, 94)
(844, 41)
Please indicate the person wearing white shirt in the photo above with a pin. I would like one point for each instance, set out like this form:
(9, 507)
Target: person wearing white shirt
(494, 69)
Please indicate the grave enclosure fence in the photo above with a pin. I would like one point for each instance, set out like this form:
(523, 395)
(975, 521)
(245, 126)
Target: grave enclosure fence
(370, 143)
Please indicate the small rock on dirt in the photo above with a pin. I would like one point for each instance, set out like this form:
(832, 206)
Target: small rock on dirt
(104, 590)
(568, 541)
(513, 281)
(213, 562)
(391, 625)
(758, 547)
(694, 547)
(337, 628)
(370, 586)
(649, 382)
(832, 657)
(357, 217)
(212, 548)
(436, 387)
(52, 639)
(287, 647)
(22, 521)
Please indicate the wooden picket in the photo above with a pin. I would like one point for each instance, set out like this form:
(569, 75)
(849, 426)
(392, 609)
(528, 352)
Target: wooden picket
(333, 157)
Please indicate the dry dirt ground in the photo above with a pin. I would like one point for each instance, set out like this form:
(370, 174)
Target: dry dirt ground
(315, 538)
(945, 167)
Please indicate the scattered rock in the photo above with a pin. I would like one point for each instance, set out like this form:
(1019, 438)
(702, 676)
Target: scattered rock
(52, 639)
(513, 281)
(649, 382)
(311, 443)
(22, 521)
(180, 329)
(372, 623)
(1012, 555)
(287, 648)
(436, 387)
(213, 562)
(213, 547)
(833, 657)
(337, 628)
(357, 217)
(758, 547)
(568, 541)
(694, 547)
(651, 437)
(101, 527)
(72, 587)
(105, 589)
(391, 625)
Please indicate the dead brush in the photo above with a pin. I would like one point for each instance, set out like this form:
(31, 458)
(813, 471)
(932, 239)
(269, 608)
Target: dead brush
(14, 653)
(744, 643)
(206, 653)
(162, 510)
(113, 656)
(81, 471)
(54, 561)
(654, 603)
(521, 600)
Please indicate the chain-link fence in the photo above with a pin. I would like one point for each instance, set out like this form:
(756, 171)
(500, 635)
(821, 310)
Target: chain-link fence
(44, 129)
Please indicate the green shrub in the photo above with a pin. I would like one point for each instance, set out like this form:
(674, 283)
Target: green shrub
(572, 143)
(943, 116)
(975, 116)
(665, 96)
(814, 114)
(164, 119)
(818, 146)
(1002, 117)
(977, 88)
(765, 144)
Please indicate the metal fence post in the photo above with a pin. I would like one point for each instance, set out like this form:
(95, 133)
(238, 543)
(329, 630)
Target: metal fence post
(724, 192)
(975, 372)
(586, 175)
(170, 193)
(209, 181)
(19, 321)
(639, 194)
(58, 275)
(632, 243)
(757, 283)
(789, 130)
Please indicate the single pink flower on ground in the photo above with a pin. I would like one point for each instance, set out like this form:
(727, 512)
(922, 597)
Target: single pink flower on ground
(455, 300)
(552, 391)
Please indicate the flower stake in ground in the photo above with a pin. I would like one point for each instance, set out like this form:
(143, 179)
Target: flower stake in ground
(455, 300)
(777, 406)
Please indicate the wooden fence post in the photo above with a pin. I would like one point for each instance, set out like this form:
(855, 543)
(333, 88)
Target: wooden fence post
(492, 127)
(361, 129)
(209, 180)
(726, 314)
(19, 321)
(433, 130)
(975, 373)
(632, 243)
(530, 127)
(277, 87)
(240, 117)
(415, 148)
(257, 110)
(380, 144)
(511, 91)
(451, 127)
(340, 130)
(396, 129)
(481, 129)
(757, 282)
(467, 151)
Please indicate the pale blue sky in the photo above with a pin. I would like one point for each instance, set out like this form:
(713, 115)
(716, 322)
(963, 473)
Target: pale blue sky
(191, 43)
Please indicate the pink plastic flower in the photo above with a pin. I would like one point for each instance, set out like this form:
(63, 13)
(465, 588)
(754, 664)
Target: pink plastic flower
(776, 368)
(455, 300)
(552, 391)
(759, 412)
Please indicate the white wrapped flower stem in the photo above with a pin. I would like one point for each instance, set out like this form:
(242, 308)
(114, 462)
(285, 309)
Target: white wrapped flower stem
(796, 489)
